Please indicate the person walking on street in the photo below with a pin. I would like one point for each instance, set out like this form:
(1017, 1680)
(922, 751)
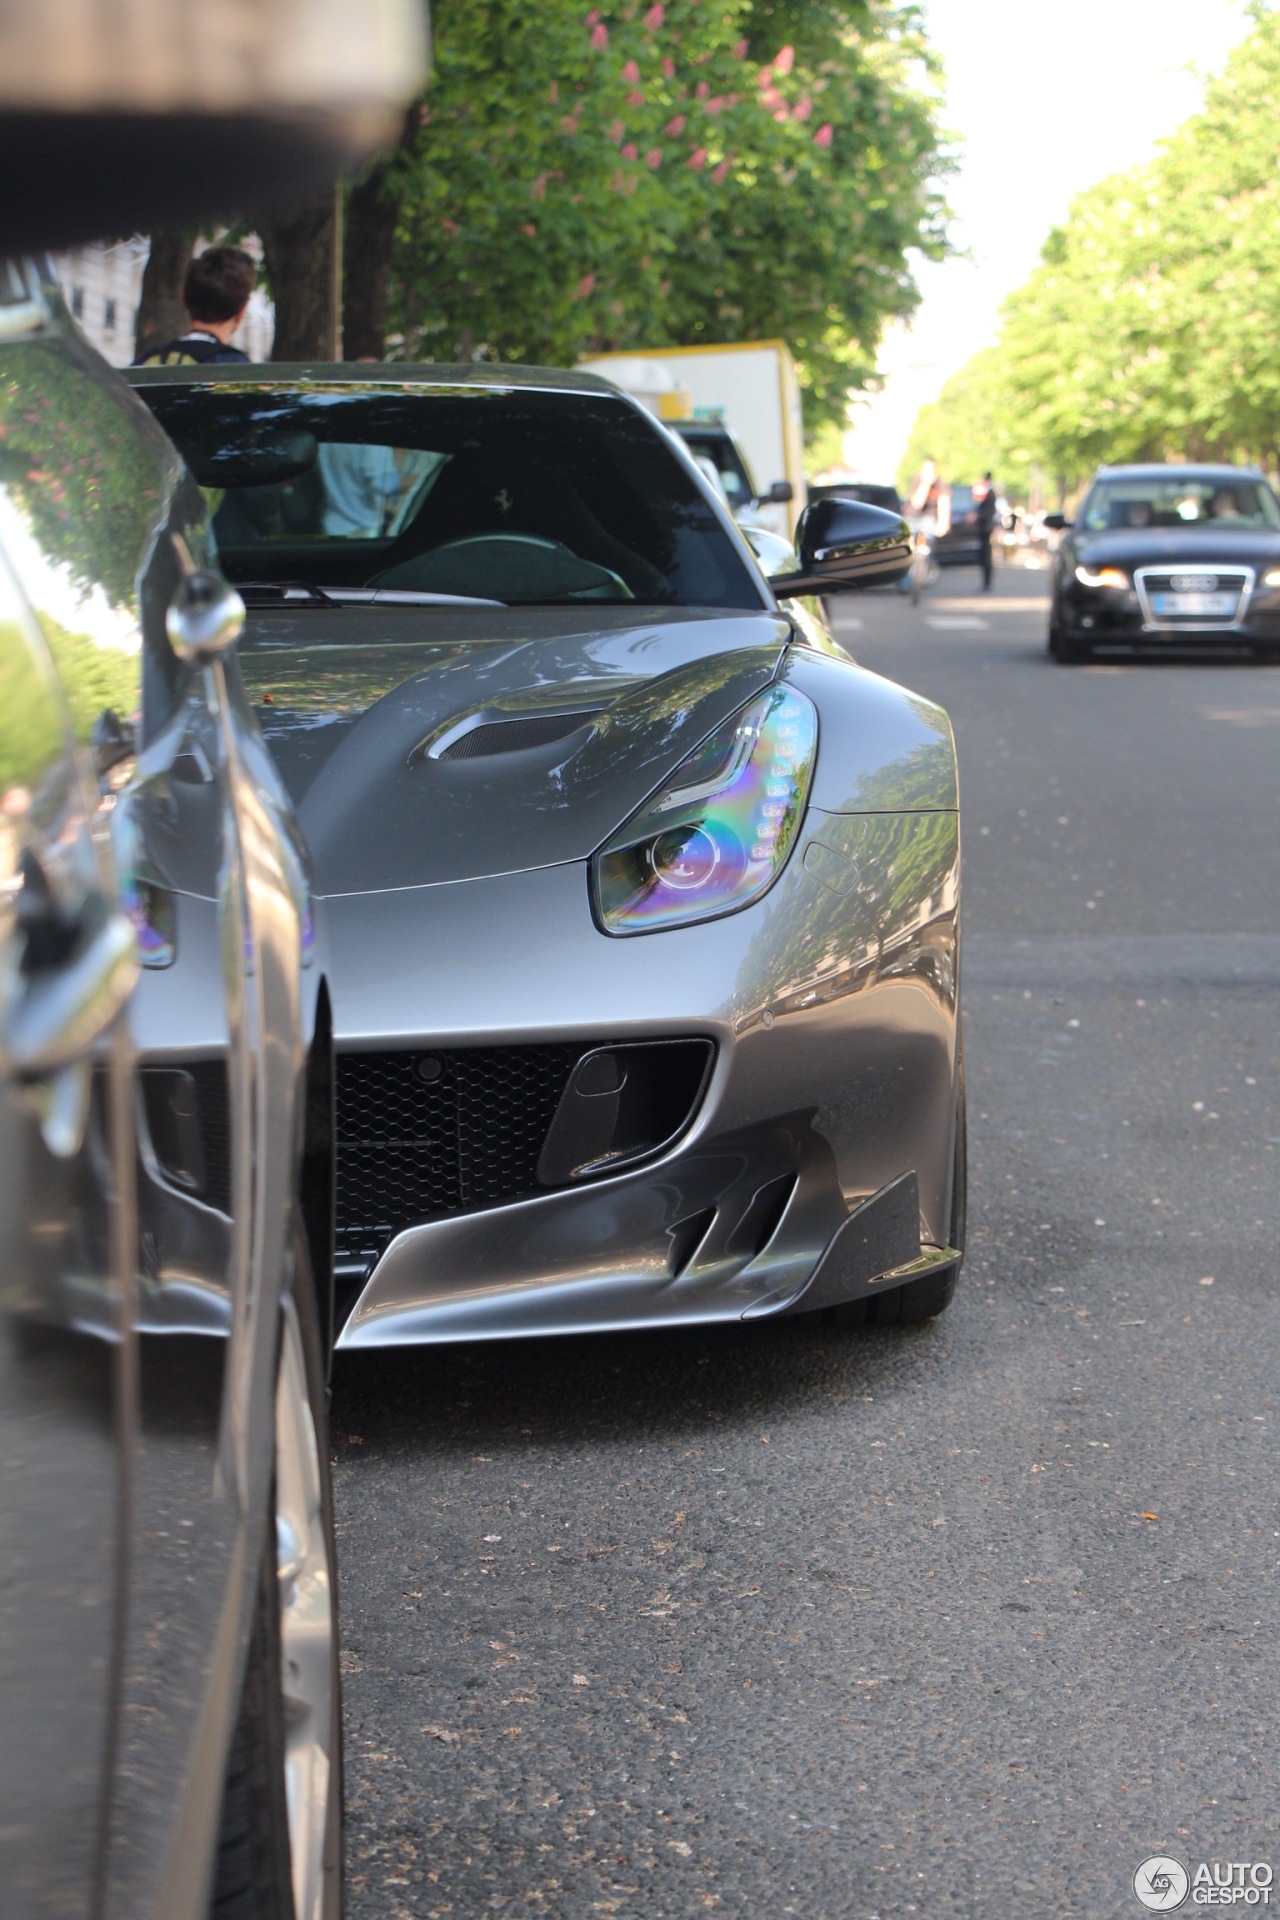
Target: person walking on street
(215, 294)
(984, 497)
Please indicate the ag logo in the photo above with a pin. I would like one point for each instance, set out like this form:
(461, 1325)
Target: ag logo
(1162, 1883)
(1194, 582)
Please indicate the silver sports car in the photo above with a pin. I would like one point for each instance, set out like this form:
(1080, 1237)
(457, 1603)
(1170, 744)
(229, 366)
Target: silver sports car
(642, 898)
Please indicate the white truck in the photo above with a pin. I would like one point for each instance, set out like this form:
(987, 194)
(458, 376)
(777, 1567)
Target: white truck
(749, 389)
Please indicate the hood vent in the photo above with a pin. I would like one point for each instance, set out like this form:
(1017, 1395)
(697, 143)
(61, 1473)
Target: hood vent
(510, 736)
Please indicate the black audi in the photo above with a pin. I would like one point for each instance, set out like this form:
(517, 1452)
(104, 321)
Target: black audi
(1163, 557)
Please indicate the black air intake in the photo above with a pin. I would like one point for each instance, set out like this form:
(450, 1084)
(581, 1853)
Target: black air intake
(511, 736)
(421, 1135)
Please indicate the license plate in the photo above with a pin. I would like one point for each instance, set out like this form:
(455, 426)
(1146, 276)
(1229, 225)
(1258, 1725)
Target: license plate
(1206, 606)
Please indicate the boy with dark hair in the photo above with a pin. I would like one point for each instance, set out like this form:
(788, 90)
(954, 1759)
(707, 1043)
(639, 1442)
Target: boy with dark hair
(215, 293)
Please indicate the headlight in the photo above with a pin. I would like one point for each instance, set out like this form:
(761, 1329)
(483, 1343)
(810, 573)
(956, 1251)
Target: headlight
(719, 833)
(1107, 577)
(1272, 579)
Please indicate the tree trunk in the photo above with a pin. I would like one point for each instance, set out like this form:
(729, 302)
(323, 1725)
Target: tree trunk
(373, 212)
(161, 315)
(299, 254)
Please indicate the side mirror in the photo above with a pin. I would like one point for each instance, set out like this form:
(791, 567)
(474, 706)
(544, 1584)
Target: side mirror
(1056, 522)
(780, 494)
(845, 544)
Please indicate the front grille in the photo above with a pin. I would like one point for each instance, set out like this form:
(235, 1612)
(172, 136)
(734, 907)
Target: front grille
(1222, 594)
(412, 1148)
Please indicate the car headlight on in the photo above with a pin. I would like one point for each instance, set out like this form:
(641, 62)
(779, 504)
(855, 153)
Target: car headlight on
(1104, 577)
(719, 833)
(1272, 579)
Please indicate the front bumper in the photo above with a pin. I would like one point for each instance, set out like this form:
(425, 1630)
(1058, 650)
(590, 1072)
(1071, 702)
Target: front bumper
(832, 1011)
(1116, 617)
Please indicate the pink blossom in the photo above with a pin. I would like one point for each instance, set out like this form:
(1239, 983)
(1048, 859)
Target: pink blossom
(530, 229)
(772, 99)
(584, 286)
(631, 151)
(676, 125)
(782, 114)
(785, 60)
(715, 103)
(599, 36)
(593, 16)
(616, 130)
(740, 50)
(654, 18)
(668, 66)
(765, 76)
(538, 191)
(450, 226)
(802, 109)
(635, 98)
(718, 174)
(569, 124)
(653, 158)
(822, 138)
(631, 72)
(702, 90)
(698, 159)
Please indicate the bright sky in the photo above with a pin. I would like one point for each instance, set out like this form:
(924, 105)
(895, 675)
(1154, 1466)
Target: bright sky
(1045, 99)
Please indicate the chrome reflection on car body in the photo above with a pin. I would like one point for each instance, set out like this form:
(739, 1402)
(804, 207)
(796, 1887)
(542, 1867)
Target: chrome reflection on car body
(307, 1624)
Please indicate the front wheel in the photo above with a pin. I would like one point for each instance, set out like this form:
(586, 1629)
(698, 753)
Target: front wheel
(1067, 652)
(280, 1844)
(924, 1299)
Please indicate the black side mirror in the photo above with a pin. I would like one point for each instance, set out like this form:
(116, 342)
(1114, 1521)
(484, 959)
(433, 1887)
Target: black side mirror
(780, 494)
(1056, 522)
(846, 544)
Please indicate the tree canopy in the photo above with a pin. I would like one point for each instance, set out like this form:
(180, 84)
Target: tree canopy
(585, 178)
(1149, 329)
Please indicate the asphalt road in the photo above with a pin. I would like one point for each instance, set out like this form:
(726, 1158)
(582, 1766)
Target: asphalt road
(965, 1621)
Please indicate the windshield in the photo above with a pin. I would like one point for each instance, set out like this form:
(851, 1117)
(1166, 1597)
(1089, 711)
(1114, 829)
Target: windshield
(720, 449)
(1179, 501)
(527, 498)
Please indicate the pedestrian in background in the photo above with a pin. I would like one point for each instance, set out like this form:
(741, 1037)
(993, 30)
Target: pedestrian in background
(984, 497)
(215, 293)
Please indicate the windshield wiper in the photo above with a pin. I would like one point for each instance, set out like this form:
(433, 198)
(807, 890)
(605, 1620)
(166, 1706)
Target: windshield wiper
(304, 591)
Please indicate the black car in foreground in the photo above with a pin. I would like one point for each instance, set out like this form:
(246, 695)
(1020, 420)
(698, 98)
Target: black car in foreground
(1168, 557)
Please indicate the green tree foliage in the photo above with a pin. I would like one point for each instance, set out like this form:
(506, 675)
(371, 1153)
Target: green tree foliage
(969, 431)
(1149, 329)
(700, 171)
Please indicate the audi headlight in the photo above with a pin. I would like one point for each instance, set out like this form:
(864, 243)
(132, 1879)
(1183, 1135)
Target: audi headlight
(719, 833)
(1272, 579)
(1105, 577)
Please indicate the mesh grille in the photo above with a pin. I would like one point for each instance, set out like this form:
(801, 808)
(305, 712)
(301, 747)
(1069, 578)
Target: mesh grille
(412, 1149)
(210, 1077)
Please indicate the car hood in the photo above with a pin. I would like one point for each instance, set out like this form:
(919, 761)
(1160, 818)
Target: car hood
(1193, 548)
(370, 711)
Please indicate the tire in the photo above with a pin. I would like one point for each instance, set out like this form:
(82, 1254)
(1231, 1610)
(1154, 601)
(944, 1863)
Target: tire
(925, 1299)
(1067, 653)
(288, 1733)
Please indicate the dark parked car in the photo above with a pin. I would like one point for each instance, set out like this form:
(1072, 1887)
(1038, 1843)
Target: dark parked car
(1168, 557)
(961, 544)
(643, 899)
(716, 444)
(168, 1651)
